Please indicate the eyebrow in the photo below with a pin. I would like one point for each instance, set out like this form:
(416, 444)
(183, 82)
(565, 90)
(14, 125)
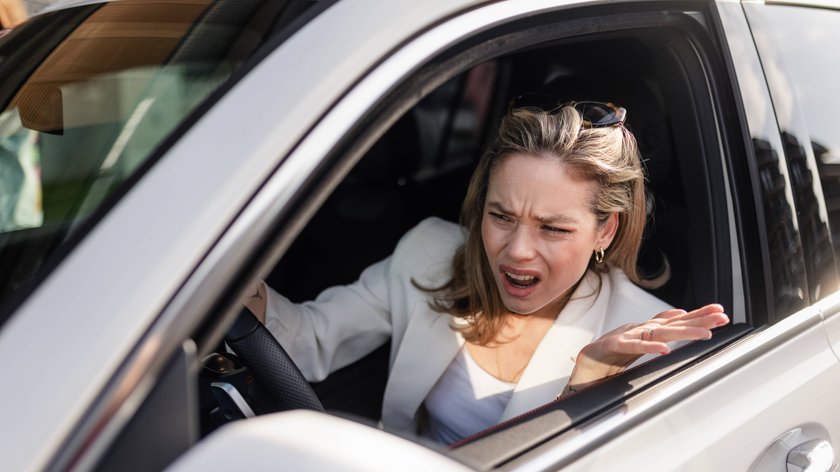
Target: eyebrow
(546, 220)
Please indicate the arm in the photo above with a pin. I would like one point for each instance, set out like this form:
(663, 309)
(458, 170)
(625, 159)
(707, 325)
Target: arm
(345, 323)
(613, 352)
(342, 325)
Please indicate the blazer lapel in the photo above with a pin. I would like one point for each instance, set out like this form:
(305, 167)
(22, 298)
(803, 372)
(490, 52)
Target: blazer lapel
(427, 349)
(551, 365)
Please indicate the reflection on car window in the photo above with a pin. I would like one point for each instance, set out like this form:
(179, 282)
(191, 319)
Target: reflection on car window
(98, 102)
(452, 119)
(807, 38)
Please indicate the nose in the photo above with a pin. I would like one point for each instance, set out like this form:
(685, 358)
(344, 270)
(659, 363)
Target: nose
(522, 246)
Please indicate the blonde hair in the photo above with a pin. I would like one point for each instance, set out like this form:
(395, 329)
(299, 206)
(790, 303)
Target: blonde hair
(12, 13)
(608, 156)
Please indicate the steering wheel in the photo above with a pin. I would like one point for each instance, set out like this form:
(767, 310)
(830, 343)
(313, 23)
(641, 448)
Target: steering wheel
(277, 375)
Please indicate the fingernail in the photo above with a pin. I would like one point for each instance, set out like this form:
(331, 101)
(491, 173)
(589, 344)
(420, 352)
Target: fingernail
(721, 323)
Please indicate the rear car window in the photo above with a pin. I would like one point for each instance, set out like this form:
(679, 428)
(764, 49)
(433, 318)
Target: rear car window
(90, 96)
(806, 38)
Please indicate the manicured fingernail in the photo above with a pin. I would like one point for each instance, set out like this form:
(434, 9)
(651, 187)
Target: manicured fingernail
(721, 323)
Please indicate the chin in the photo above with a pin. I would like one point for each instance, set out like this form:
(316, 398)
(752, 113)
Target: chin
(521, 309)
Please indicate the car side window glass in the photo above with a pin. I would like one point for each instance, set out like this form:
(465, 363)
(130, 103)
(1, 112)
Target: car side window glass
(86, 111)
(454, 116)
(807, 38)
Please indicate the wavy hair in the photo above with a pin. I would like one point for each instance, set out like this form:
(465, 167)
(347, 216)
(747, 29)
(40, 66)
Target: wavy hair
(607, 156)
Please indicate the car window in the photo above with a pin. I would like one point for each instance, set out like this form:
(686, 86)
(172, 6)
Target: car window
(806, 38)
(87, 107)
(420, 167)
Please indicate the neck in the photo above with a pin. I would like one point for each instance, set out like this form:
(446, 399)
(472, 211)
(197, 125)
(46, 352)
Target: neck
(548, 312)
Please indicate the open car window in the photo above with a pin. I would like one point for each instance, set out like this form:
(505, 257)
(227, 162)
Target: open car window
(420, 164)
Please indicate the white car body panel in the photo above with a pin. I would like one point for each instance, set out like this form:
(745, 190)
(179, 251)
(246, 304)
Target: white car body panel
(305, 440)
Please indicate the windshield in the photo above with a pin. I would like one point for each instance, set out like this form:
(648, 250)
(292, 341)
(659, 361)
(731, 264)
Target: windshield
(90, 95)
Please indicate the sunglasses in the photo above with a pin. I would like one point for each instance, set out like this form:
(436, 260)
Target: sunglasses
(594, 114)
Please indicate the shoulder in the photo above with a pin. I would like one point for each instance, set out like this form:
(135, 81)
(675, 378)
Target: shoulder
(434, 228)
(432, 237)
(427, 249)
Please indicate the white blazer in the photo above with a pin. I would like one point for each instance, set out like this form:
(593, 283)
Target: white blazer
(345, 323)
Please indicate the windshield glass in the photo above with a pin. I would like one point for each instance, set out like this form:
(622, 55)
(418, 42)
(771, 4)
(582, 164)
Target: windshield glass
(90, 94)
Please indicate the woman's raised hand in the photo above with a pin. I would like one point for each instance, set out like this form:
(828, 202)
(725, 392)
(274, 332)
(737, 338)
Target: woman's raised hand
(617, 349)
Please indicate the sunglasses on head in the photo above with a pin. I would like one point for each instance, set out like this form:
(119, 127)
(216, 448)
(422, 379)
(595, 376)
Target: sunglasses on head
(594, 114)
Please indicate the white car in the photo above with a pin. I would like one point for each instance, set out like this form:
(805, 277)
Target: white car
(159, 157)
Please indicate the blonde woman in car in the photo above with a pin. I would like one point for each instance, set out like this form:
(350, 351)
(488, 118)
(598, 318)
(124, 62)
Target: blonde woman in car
(533, 295)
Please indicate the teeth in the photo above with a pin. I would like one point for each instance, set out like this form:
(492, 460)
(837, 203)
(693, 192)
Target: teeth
(521, 278)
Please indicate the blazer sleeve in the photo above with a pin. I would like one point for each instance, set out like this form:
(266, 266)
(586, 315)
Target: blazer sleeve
(339, 327)
(345, 323)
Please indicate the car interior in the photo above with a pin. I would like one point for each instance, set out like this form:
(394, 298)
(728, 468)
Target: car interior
(420, 167)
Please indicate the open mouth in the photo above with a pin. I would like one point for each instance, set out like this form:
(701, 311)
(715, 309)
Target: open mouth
(521, 281)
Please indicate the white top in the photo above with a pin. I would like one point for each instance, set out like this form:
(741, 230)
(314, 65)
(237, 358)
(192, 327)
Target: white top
(466, 400)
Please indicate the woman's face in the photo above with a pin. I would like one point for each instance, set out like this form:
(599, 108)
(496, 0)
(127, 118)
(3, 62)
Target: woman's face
(539, 232)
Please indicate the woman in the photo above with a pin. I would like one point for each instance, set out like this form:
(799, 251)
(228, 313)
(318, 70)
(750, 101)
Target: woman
(531, 297)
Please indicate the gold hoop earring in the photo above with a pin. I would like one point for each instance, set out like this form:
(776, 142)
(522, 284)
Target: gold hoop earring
(599, 256)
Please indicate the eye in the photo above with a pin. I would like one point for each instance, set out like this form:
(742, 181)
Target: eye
(500, 217)
(556, 230)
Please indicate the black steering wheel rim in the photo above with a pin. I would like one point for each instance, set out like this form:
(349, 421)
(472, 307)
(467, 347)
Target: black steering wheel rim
(274, 370)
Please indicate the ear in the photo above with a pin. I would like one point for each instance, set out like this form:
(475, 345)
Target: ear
(607, 232)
